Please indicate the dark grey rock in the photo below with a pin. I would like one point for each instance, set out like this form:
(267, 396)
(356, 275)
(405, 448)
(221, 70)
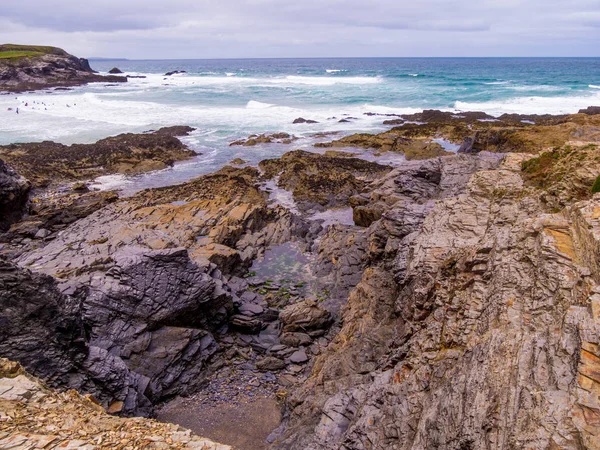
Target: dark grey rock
(270, 363)
(14, 192)
(299, 356)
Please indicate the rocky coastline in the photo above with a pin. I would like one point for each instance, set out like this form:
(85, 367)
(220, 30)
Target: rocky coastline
(449, 302)
(29, 68)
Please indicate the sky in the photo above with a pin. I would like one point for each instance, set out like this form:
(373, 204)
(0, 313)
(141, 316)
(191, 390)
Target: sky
(174, 29)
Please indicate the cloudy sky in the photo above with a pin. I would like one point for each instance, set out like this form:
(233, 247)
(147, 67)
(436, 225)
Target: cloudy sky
(303, 28)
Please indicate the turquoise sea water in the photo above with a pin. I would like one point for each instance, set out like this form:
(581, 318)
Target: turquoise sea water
(228, 99)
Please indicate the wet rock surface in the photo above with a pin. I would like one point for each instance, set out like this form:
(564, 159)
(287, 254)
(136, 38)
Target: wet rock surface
(321, 180)
(49, 163)
(274, 138)
(475, 132)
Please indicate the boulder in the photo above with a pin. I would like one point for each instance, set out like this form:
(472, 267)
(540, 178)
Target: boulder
(467, 145)
(590, 110)
(295, 339)
(115, 70)
(44, 330)
(303, 120)
(269, 363)
(174, 72)
(246, 324)
(299, 357)
(305, 315)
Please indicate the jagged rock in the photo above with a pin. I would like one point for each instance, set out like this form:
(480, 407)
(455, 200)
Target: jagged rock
(174, 72)
(305, 315)
(44, 330)
(55, 212)
(467, 145)
(42, 418)
(303, 120)
(590, 110)
(115, 70)
(447, 331)
(14, 192)
(246, 324)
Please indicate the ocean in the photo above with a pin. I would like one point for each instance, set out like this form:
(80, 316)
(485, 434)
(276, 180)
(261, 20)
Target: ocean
(230, 99)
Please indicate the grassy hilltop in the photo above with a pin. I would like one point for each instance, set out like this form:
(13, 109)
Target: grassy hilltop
(14, 51)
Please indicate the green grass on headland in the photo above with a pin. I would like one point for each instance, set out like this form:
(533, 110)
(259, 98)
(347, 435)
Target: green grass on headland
(13, 51)
(16, 54)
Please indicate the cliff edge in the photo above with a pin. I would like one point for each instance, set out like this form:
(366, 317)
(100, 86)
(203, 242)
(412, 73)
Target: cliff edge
(31, 67)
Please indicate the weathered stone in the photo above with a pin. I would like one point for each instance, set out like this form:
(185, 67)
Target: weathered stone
(270, 363)
(305, 315)
(295, 339)
(41, 418)
(299, 356)
(445, 329)
(246, 324)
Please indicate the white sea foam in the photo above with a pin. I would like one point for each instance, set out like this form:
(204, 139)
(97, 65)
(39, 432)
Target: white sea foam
(413, 74)
(108, 182)
(334, 70)
(253, 104)
(327, 81)
(497, 83)
(532, 105)
(538, 87)
(230, 74)
(593, 86)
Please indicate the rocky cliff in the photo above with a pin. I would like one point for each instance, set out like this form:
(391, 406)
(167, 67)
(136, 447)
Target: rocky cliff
(27, 67)
(476, 323)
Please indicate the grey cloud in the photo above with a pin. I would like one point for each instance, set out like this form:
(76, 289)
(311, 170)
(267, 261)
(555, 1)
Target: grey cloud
(233, 28)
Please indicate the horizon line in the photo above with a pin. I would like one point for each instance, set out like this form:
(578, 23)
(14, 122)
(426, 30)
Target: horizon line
(98, 58)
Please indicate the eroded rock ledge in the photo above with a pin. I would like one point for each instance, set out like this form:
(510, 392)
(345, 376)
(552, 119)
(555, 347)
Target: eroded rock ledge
(51, 164)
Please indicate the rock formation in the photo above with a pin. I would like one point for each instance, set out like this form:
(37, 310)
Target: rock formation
(451, 302)
(34, 416)
(49, 163)
(14, 191)
(27, 67)
(475, 325)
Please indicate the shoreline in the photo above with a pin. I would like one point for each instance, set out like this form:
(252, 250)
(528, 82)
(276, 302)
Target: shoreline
(355, 291)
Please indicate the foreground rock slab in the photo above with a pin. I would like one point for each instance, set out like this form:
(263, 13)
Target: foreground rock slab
(33, 416)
